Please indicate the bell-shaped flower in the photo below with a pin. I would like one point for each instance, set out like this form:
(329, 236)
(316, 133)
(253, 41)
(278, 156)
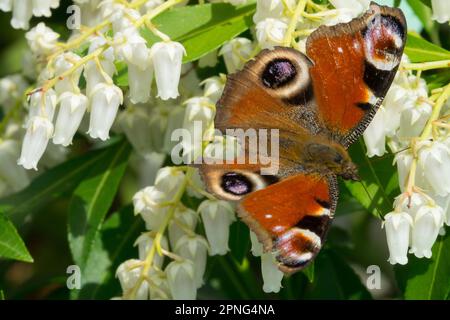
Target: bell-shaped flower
(236, 52)
(43, 104)
(41, 8)
(39, 132)
(217, 216)
(194, 248)
(15, 176)
(347, 10)
(41, 39)
(168, 180)
(434, 159)
(213, 87)
(22, 11)
(403, 160)
(158, 126)
(195, 184)
(64, 62)
(427, 223)
(167, 58)
(183, 218)
(270, 32)
(175, 120)
(159, 286)
(181, 279)
(135, 123)
(410, 203)
(71, 112)
(6, 5)
(148, 203)
(272, 276)
(271, 9)
(140, 82)
(398, 226)
(441, 10)
(375, 134)
(444, 203)
(12, 88)
(257, 248)
(145, 242)
(105, 102)
(128, 273)
(414, 117)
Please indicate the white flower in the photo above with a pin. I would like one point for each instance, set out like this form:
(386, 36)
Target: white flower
(270, 9)
(217, 216)
(39, 131)
(147, 203)
(427, 223)
(92, 73)
(410, 204)
(270, 32)
(150, 5)
(43, 104)
(183, 218)
(414, 117)
(257, 248)
(393, 105)
(223, 148)
(22, 11)
(168, 180)
(135, 123)
(71, 112)
(145, 242)
(375, 134)
(10, 172)
(403, 160)
(11, 90)
(64, 62)
(200, 111)
(398, 225)
(128, 273)
(158, 126)
(441, 10)
(181, 279)
(434, 159)
(41, 39)
(347, 10)
(175, 119)
(167, 58)
(6, 5)
(140, 82)
(105, 101)
(235, 53)
(213, 87)
(272, 276)
(194, 248)
(195, 184)
(41, 8)
(444, 203)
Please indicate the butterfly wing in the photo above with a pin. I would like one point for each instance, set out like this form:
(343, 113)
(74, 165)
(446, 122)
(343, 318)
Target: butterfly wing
(354, 65)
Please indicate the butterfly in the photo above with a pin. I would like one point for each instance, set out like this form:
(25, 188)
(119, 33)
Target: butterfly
(321, 103)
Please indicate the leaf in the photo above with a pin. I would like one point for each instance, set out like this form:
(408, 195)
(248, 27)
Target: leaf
(50, 185)
(427, 279)
(11, 244)
(112, 245)
(202, 28)
(420, 50)
(379, 183)
(239, 241)
(334, 279)
(309, 272)
(424, 14)
(92, 199)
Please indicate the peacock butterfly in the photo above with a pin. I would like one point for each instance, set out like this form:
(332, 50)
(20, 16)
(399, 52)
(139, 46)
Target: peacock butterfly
(321, 103)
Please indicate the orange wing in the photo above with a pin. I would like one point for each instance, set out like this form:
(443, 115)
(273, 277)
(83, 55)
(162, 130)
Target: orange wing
(291, 217)
(354, 65)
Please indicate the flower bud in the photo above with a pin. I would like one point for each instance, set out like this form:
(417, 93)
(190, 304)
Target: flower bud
(41, 39)
(128, 274)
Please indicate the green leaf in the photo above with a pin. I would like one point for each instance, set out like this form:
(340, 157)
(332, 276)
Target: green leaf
(427, 279)
(112, 245)
(309, 272)
(239, 241)
(334, 279)
(379, 183)
(202, 28)
(92, 199)
(11, 244)
(2, 295)
(50, 185)
(420, 50)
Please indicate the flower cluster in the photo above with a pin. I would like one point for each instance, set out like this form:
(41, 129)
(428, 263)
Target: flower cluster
(23, 10)
(414, 126)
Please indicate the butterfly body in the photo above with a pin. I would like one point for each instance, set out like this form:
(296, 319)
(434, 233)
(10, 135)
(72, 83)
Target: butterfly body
(318, 103)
